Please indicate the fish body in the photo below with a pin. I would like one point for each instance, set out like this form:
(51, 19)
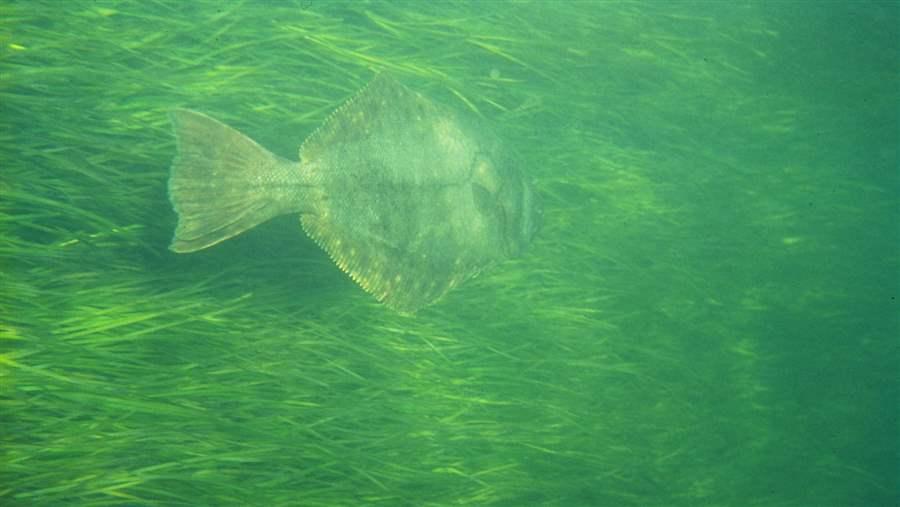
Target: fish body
(408, 197)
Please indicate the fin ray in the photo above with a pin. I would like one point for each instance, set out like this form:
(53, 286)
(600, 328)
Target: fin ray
(212, 181)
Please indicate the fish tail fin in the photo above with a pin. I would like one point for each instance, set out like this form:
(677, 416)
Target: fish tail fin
(214, 182)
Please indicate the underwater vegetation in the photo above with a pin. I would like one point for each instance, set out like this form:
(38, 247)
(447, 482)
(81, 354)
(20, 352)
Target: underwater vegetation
(704, 319)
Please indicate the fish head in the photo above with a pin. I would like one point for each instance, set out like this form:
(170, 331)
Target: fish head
(502, 193)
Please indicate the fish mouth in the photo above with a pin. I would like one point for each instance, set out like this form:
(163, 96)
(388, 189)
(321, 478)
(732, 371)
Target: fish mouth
(534, 213)
(529, 223)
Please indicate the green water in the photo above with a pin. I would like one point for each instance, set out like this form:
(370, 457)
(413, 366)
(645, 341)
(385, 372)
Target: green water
(709, 316)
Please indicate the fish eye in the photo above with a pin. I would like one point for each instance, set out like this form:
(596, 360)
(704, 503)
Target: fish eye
(483, 198)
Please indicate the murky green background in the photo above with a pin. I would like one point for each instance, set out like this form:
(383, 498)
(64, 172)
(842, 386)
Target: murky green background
(708, 317)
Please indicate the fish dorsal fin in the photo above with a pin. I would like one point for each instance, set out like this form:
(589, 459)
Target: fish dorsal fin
(358, 116)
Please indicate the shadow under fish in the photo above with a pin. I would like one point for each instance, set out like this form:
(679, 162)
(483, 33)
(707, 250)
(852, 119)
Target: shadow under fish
(408, 197)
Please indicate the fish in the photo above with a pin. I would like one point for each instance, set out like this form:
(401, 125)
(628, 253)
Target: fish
(407, 196)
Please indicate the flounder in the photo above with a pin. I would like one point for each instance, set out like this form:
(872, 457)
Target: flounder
(407, 196)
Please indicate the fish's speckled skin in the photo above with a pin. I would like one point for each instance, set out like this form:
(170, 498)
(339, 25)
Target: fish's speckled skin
(408, 197)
